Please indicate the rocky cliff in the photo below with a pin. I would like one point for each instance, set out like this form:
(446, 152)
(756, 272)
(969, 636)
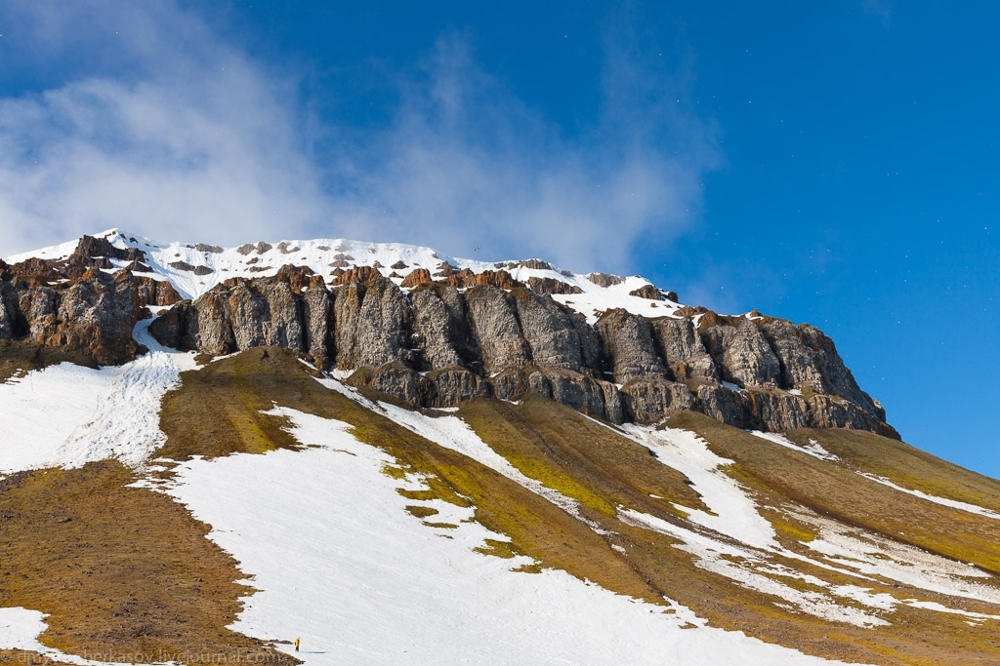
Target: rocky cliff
(437, 340)
(439, 345)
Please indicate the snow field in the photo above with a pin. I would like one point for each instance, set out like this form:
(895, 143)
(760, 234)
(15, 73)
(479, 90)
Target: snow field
(324, 535)
(845, 550)
(67, 415)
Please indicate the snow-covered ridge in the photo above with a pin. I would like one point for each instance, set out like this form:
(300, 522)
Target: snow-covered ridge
(195, 269)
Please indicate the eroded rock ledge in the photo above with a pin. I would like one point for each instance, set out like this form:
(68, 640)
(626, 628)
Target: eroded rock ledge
(446, 342)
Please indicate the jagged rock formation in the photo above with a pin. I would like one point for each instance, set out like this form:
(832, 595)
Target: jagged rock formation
(442, 338)
(75, 304)
(463, 336)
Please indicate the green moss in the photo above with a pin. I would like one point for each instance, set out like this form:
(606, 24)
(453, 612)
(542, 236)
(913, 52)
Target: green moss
(496, 548)
(421, 511)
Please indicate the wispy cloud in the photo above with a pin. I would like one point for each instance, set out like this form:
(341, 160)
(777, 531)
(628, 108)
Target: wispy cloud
(880, 9)
(162, 127)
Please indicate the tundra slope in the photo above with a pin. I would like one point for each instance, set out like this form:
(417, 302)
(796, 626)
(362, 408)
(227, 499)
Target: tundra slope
(838, 543)
(437, 331)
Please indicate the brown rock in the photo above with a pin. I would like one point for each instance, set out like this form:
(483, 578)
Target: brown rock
(416, 277)
(647, 291)
(552, 286)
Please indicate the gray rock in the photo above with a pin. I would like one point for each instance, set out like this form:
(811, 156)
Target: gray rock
(740, 352)
(441, 329)
(454, 386)
(265, 312)
(614, 404)
(397, 381)
(385, 325)
(577, 390)
(648, 400)
(317, 314)
(810, 360)
(628, 339)
(549, 331)
(374, 325)
(777, 412)
(9, 311)
(496, 329)
(508, 384)
(682, 349)
(210, 329)
(725, 405)
(96, 314)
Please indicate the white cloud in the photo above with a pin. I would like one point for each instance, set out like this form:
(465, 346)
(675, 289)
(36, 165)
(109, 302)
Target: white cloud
(163, 128)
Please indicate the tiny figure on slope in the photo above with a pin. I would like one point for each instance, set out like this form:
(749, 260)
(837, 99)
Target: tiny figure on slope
(296, 644)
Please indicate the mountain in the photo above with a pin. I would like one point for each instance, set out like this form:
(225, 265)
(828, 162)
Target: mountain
(403, 457)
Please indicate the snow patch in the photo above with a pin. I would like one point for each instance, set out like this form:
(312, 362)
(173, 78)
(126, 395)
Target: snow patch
(363, 582)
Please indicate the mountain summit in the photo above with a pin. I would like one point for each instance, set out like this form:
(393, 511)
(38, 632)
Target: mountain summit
(387, 455)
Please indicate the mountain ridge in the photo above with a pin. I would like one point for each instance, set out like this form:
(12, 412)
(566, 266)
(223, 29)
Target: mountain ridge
(439, 339)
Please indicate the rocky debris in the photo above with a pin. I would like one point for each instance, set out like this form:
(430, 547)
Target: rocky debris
(260, 248)
(445, 269)
(689, 311)
(552, 286)
(647, 291)
(460, 278)
(202, 247)
(286, 248)
(138, 267)
(398, 266)
(605, 280)
(499, 279)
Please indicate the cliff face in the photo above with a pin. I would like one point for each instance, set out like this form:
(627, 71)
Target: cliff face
(73, 304)
(438, 346)
(452, 336)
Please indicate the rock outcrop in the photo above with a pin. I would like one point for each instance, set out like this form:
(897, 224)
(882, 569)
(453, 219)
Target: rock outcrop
(441, 344)
(94, 314)
(446, 337)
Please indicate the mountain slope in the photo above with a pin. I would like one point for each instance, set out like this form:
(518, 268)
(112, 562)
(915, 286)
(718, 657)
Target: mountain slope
(488, 531)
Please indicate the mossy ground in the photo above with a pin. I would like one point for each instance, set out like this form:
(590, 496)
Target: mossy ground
(905, 465)
(20, 356)
(120, 571)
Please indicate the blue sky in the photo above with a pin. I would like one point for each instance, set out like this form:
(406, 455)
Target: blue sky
(830, 163)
